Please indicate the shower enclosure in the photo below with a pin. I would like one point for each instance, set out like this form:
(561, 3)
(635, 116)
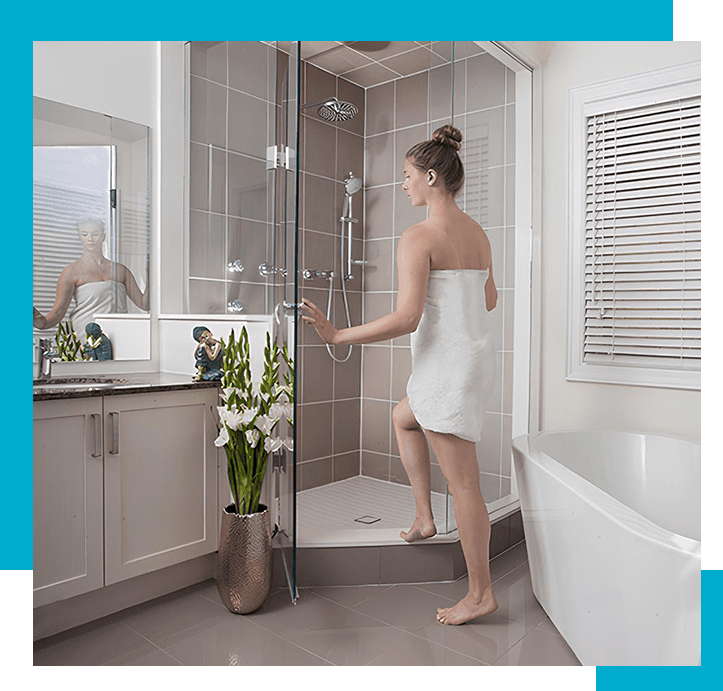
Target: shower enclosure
(295, 158)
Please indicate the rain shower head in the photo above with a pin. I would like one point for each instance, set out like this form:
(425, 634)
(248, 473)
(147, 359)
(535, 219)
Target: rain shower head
(334, 110)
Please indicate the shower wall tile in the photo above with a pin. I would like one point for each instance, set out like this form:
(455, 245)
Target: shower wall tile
(352, 93)
(207, 237)
(209, 60)
(319, 150)
(484, 139)
(316, 374)
(321, 217)
(510, 85)
(350, 159)
(376, 425)
(509, 279)
(508, 304)
(198, 173)
(377, 372)
(485, 83)
(249, 242)
(506, 444)
(316, 430)
(346, 465)
(206, 297)
(347, 375)
(375, 465)
(489, 449)
(509, 195)
(253, 296)
(440, 93)
(217, 184)
(379, 116)
(378, 272)
(317, 252)
(251, 65)
(247, 187)
(315, 473)
(411, 100)
(347, 415)
(247, 124)
(379, 213)
(317, 85)
(510, 134)
(379, 160)
(208, 112)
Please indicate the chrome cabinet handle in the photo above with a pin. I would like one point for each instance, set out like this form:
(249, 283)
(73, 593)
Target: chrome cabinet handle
(97, 434)
(114, 419)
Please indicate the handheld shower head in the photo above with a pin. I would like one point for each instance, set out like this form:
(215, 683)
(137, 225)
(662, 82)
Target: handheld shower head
(352, 184)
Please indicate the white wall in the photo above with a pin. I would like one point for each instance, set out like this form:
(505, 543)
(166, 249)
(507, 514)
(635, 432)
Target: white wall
(576, 405)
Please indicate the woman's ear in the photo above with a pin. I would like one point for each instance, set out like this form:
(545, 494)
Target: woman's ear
(431, 176)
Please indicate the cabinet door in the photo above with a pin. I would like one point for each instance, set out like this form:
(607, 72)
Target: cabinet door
(67, 498)
(160, 480)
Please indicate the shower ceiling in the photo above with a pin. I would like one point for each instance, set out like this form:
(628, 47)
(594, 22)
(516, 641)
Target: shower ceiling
(368, 63)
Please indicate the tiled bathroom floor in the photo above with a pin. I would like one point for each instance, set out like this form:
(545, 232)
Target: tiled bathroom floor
(354, 625)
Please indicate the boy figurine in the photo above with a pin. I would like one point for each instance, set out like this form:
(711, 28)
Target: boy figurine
(208, 354)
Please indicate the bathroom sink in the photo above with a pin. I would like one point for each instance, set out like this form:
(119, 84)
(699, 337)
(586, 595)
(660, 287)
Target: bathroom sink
(77, 382)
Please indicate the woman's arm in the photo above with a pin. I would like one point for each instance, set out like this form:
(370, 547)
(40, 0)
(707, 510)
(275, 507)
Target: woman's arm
(490, 291)
(132, 289)
(412, 273)
(63, 295)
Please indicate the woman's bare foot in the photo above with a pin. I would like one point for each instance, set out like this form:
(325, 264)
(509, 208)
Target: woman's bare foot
(419, 531)
(467, 609)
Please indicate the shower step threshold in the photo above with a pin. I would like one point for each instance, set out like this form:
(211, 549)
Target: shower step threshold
(368, 537)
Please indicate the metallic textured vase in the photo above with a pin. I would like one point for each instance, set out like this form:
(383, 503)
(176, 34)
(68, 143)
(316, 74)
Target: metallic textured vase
(243, 574)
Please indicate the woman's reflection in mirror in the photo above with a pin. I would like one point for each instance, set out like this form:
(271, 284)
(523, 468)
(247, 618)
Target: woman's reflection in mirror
(97, 284)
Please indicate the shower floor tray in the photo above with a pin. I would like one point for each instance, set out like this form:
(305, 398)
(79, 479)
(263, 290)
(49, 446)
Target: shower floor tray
(362, 511)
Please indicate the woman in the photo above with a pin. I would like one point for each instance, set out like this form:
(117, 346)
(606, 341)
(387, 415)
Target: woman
(98, 285)
(445, 284)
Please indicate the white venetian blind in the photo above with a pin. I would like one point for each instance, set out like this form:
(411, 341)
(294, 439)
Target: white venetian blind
(642, 303)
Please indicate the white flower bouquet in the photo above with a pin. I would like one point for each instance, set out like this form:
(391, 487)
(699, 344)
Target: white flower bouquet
(250, 414)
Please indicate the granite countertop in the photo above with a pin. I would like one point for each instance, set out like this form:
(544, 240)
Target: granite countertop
(144, 382)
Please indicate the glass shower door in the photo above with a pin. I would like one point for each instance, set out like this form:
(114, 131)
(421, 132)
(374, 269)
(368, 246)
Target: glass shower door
(283, 171)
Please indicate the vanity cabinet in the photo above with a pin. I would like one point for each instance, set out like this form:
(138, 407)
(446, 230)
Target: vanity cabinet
(123, 485)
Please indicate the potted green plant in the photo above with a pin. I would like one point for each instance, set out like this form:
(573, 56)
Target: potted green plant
(248, 422)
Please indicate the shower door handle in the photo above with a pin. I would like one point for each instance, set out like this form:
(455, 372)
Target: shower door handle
(286, 306)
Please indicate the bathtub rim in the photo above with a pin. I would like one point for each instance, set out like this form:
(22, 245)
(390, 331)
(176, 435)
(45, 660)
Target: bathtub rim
(599, 500)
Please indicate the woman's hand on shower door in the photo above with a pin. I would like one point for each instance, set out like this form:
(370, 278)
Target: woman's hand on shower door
(314, 316)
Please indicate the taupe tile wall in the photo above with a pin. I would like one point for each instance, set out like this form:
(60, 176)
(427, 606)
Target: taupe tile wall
(330, 391)
(484, 111)
(232, 121)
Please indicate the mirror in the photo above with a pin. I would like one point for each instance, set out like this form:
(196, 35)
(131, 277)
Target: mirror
(91, 233)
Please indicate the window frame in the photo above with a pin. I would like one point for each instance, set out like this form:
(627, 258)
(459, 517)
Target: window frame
(681, 81)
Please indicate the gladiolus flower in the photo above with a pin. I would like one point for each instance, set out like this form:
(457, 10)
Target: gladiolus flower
(222, 437)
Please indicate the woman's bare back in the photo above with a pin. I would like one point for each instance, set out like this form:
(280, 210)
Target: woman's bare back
(458, 243)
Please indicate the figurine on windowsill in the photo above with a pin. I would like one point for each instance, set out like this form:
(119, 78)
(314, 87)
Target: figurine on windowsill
(98, 346)
(208, 354)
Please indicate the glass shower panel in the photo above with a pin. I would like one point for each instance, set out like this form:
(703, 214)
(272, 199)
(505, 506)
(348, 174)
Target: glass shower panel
(242, 183)
(484, 110)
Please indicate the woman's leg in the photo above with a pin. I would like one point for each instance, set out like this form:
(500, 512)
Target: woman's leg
(414, 452)
(458, 460)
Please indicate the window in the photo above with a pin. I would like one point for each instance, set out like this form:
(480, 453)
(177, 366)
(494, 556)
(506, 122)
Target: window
(635, 231)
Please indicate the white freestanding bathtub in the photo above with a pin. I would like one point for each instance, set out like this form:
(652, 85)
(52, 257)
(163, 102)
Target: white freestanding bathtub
(612, 525)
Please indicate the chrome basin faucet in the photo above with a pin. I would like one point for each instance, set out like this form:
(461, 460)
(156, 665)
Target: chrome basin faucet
(46, 357)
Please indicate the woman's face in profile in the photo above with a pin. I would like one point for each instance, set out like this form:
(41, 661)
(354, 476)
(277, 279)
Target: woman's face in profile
(91, 237)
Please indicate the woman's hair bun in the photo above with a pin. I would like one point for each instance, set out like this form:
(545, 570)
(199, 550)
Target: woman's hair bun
(448, 135)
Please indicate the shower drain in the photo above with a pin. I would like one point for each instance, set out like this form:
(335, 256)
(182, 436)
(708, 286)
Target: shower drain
(367, 519)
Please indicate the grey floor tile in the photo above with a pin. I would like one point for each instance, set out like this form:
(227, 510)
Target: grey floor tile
(347, 595)
(541, 646)
(486, 639)
(100, 643)
(164, 619)
(231, 640)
